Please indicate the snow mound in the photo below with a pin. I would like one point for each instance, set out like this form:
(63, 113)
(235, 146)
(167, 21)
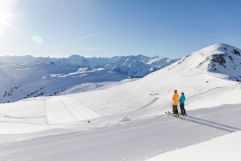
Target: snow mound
(125, 119)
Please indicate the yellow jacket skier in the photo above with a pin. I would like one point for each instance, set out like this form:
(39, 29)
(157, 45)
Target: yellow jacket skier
(175, 101)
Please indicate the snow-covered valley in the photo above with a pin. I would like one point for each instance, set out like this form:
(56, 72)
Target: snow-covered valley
(127, 120)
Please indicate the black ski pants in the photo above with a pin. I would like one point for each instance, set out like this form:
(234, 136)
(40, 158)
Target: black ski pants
(174, 109)
(182, 107)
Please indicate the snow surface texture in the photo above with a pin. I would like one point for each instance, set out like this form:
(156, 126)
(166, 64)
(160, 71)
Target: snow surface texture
(225, 148)
(123, 122)
(27, 76)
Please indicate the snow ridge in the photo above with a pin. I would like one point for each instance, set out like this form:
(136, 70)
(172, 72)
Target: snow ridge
(218, 58)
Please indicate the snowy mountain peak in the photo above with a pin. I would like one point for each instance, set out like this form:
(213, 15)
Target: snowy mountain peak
(222, 48)
(218, 58)
(78, 60)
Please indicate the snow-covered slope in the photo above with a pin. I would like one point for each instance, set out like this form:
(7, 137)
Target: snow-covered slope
(147, 96)
(126, 116)
(153, 92)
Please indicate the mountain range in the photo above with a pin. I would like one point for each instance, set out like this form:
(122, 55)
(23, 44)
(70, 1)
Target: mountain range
(28, 76)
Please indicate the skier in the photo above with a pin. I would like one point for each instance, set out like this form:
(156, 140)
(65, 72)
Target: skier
(175, 101)
(182, 104)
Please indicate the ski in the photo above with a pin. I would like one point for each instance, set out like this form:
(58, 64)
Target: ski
(178, 116)
(171, 114)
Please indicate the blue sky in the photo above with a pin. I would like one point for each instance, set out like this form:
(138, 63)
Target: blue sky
(171, 28)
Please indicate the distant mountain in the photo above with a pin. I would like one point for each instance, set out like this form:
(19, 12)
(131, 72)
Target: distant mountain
(77, 60)
(28, 76)
(133, 66)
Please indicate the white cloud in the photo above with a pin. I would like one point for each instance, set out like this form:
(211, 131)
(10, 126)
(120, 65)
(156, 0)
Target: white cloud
(87, 36)
(91, 48)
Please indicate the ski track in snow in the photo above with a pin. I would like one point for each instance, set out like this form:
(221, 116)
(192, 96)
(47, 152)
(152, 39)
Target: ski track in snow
(208, 123)
(148, 104)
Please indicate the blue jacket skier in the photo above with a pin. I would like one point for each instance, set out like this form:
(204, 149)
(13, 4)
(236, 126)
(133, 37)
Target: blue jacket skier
(182, 103)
